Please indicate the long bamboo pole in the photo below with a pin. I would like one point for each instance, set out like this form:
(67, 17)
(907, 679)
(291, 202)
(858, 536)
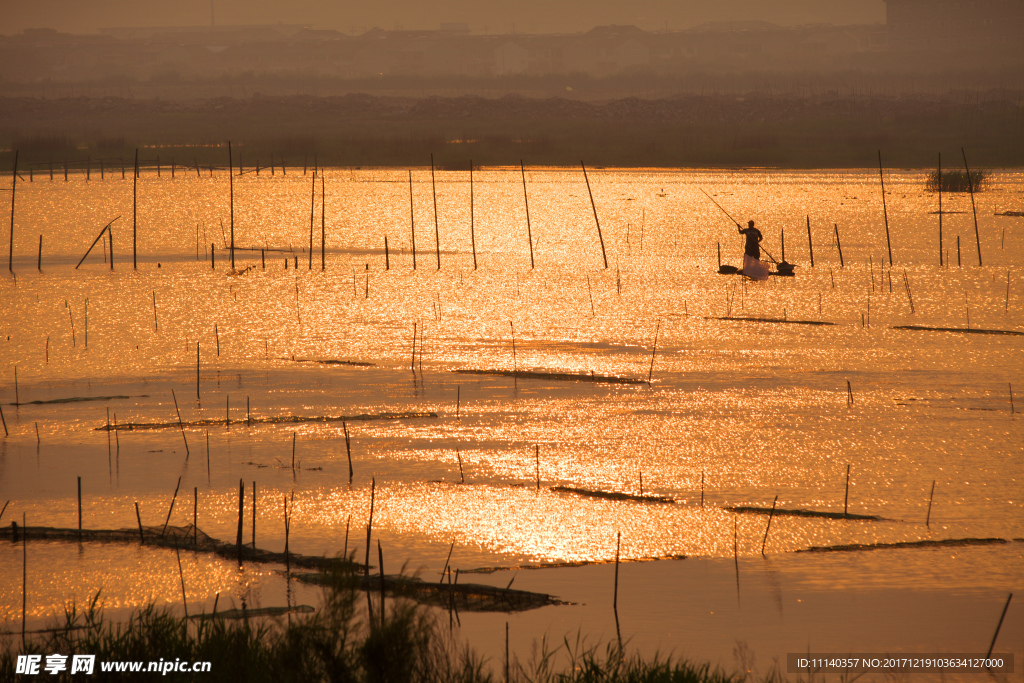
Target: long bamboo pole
(472, 230)
(231, 182)
(599, 235)
(940, 209)
(14, 184)
(135, 203)
(437, 232)
(412, 222)
(526, 203)
(970, 187)
(885, 211)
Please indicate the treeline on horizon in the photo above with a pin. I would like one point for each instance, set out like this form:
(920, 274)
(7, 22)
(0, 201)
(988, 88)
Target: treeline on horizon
(815, 131)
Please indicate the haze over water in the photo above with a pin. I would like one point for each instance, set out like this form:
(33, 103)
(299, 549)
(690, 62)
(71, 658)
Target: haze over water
(754, 409)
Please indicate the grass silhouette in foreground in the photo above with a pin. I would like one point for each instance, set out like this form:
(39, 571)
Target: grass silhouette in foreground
(336, 643)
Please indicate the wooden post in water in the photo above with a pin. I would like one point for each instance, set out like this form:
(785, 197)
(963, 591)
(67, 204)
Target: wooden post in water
(231, 190)
(348, 450)
(39, 259)
(437, 232)
(14, 185)
(931, 496)
(323, 219)
(197, 371)
(312, 213)
(998, 626)
(839, 245)
(974, 209)
(195, 506)
(593, 206)
(846, 498)
(940, 209)
(885, 212)
(254, 515)
(412, 222)
(537, 455)
(135, 212)
(615, 593)
(650, 372)
(241, 513)
(472, 227)
(810, 244)
(79, 508)
(767, 528)
(369, 525)
(24, 575)
(526, 203)
(173, 498)
(287, 560)
(380, 569)
(138, 518)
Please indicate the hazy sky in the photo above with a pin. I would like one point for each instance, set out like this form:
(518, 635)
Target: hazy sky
(494, 16)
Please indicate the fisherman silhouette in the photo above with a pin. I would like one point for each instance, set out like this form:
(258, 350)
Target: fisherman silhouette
(752, 265)
(753, 235)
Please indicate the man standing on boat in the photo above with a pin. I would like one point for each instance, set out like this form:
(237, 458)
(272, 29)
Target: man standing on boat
(753, 267)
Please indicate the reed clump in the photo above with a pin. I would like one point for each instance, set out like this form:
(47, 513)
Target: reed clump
(956, 181)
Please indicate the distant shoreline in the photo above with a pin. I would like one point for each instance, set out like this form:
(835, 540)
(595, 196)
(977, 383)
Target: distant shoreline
(359, 130)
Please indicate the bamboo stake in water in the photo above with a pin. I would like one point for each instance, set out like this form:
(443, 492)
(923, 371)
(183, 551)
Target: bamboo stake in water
(231, 190)
(931, 496)
(412, 223)
(1011, 400)
(24, 575)
(195, 515)
(462, 475)
(590, 291)
(615, 594)
(14, 184)
(885, 212)
(537, 455)
(437, 231)
(940, 209)
(171, 508)
(974, 209)
(998, 626)
(323, 221)
(181, 425)
(702, 488)
(293, 451)
(810, 245)
(197, 371)
(650, 372)
(138, 518)
(593, 206)
(846, 498)
(181, 575)
(515, 363)
(241, 514)
(839, 246)
(312, 213)
(254, 515)
(526, 203)
(39, 259)
(414, 346)
(767, 528)
(79, 508)
(348, 450)
(287, 559)
(369, 524)
(849, 394)
(472, 228)
(135, 212)
(380, 563)
(3, 420)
